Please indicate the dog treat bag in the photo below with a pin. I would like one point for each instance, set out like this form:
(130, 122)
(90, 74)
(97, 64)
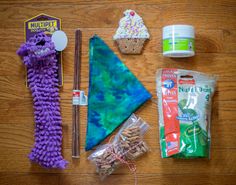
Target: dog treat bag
(184, 104)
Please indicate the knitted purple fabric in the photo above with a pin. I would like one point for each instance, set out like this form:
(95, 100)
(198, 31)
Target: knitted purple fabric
(39, 56)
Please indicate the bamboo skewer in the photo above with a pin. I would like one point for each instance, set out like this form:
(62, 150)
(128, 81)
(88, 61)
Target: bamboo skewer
(75, 108)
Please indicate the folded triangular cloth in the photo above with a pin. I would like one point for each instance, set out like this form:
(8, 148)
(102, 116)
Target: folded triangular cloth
(114, 92)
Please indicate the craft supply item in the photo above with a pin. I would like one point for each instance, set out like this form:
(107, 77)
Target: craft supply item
(39, 56)
(76, 97)
(47, 24)
(131, 33)
(114, 92)
(60, 40)
(127, 145)
(178, 41)
(106, 163)
(184, 105)
(131, 142)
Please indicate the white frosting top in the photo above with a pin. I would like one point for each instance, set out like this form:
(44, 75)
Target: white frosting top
(131, 26)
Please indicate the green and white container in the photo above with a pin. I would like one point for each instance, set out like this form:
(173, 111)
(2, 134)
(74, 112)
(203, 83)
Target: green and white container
(178, 41)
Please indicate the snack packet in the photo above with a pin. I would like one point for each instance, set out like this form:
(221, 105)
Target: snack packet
(184, 105)
(127, 145)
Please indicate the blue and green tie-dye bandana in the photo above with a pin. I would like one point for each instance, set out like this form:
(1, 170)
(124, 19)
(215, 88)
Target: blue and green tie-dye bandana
(114, 92)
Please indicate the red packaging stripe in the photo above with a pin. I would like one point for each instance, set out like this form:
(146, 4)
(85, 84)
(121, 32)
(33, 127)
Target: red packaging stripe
(170, 110)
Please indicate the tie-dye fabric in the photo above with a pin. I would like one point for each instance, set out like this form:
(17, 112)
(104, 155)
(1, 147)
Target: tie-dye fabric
(114, 92)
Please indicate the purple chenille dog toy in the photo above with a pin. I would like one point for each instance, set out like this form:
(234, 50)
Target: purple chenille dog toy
(39, 56)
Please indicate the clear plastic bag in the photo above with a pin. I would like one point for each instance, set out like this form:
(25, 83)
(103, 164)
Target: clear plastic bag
(127, 145)
(184, 105)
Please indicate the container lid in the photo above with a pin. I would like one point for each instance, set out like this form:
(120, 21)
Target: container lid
(178, 31)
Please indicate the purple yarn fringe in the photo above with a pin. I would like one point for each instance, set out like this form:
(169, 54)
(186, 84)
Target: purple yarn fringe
(39, 56)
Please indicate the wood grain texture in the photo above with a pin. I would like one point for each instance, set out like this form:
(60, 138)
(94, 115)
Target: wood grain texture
(125, 179)
(215, 23)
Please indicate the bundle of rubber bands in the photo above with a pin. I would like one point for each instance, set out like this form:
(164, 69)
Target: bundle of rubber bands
(126, 146)
(39, 56)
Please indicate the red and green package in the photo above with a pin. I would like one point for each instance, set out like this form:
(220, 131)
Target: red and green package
(184, 105)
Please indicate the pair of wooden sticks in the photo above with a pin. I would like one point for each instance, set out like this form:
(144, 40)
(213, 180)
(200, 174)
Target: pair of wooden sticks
(76, 86)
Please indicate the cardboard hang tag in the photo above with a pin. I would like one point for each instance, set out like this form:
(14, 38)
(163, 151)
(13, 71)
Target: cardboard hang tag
(47, 24)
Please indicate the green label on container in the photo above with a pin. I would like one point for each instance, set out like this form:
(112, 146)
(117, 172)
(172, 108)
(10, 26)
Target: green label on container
(180, 44)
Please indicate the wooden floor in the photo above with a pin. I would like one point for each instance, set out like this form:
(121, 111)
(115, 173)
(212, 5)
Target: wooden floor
(215, 23)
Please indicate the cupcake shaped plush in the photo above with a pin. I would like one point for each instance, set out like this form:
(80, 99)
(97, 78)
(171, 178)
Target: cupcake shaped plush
(131, 33)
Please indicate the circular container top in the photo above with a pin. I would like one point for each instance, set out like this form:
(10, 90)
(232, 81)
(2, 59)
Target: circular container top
(179, 30)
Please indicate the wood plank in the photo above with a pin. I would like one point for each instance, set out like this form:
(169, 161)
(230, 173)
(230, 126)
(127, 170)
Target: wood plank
(108, 15)
(13, 88)
(28, 179)
(207, 41)
(229, 43)
(76, 179)
(128, 2)
(186, 179)
(21, 136)
(212, 63)
(223, 161)
(22, 112)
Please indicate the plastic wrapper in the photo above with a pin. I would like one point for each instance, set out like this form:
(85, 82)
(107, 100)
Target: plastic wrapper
(184, 105)
(126, 146)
